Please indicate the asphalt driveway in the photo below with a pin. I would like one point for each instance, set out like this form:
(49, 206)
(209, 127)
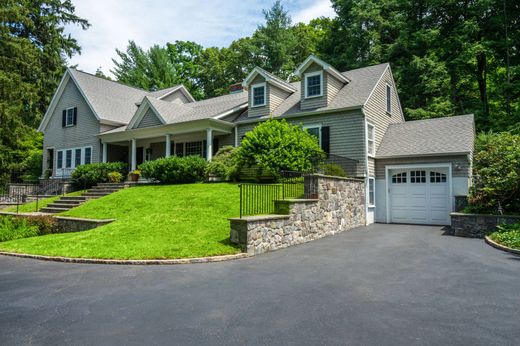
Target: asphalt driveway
(381, 285)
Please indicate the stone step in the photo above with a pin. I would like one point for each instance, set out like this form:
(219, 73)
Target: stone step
(116, 185)
(73, 198)
(103, 188)
(53, 210)
(95, 194)
(61, 205)
(69, 201)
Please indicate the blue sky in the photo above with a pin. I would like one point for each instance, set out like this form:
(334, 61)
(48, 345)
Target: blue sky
(208, 22)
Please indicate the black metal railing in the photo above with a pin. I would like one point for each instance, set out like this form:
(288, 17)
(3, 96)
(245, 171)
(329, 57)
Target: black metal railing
(350, 166)
(259, 199)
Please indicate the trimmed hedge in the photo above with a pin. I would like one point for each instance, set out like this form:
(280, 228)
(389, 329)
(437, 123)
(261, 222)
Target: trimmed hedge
(175, 170)
(86, 176)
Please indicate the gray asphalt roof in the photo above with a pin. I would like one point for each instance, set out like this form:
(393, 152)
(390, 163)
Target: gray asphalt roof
(354, 94)
(432, 136)
(112, 100)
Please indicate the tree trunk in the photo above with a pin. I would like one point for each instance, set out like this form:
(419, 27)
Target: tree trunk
(482, 86)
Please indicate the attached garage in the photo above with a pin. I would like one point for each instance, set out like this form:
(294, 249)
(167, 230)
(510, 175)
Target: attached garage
(421, 167)
(420, 195)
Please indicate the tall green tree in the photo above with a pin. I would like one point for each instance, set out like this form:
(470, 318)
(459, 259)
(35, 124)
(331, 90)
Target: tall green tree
(33, 53)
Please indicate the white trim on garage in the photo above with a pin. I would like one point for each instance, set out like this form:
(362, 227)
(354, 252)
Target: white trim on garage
(412, 166)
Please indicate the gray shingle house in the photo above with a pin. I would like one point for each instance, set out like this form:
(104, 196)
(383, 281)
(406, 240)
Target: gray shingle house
(413, 170)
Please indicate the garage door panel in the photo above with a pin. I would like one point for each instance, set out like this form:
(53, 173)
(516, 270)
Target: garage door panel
(419, 196)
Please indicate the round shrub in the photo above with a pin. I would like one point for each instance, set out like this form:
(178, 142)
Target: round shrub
(86, 176)
(175, 170)
(276, 145)
(115, 177)
(332, 169)
(224, 164)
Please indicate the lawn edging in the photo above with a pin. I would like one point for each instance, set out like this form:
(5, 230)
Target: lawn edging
(194, 260)
(498, 246)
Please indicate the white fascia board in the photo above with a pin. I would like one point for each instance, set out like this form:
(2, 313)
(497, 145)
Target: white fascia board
(231, 111)
(327, 67)
(141, 111)
(182, 89)
(256, 71)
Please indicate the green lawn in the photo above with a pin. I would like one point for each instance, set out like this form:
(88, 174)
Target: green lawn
(153, 222)
(31, 206)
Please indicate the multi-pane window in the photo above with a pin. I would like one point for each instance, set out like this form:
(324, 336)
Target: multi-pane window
(258, 95)
(314, 130)
(437, 177)
(417, 177)
(388, 98)
(59, 163)
(313, 85)
(179, 149)
(371, 134)
(68, 158)
(193, 148)
(371, 191)
(69, 120)
(77, 157)
(399, 178)
(88, 155)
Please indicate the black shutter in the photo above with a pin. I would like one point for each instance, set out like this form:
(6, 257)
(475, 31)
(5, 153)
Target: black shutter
(325, 139)
(215, 145)
(75, 115)
(64, 118)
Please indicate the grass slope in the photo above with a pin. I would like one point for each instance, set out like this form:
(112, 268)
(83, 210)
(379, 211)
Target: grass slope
(42, 203)
(153, 222)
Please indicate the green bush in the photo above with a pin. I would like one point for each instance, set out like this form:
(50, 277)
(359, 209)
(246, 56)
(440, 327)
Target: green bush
(175, 170)
(86, 176)
(508, 235)
(496, 174)
(115, 177)
(276, 145)
(17, 227)
(224, 164)
(332, 169)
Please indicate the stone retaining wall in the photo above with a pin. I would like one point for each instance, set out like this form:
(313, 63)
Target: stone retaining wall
(68, 224)
(478, 225)
(339, 206)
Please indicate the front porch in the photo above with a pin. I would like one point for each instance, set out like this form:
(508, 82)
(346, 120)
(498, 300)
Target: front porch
(136, 146)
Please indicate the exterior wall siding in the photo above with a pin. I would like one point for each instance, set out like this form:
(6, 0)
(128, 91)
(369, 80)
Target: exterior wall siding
(258, 111)
(460, 161)
(276, 97)
(346, 134)
(314, 102)
(375, 108)
(83, 134)
(177, 96)
(334, 85)
(149, 119)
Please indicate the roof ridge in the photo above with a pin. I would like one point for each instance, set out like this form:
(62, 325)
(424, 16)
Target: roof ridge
(434, 119)
(108, 80)
(360, 68)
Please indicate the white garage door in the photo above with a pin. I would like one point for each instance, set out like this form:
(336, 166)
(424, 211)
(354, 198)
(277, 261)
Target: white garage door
(419, 196)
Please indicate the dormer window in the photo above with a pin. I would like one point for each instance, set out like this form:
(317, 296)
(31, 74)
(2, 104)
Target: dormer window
(314, 84)
(258, 92)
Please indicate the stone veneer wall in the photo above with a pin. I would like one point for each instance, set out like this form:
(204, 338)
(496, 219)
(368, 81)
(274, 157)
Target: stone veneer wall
(477, 225)
(339, 206)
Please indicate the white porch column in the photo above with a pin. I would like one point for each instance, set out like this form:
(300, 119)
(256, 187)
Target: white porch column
(209, 144)
(105, 152)
(133, 165)
(168, 152)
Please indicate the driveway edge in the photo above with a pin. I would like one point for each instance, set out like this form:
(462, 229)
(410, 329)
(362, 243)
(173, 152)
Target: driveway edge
(128, 262)
(500, 246)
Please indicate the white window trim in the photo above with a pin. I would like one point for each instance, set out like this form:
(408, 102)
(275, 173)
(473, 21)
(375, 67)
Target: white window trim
(73, 158)
(313, 126)
(371, 205)
(311, 74)
(67, 117)
(256, 86)
(386, 98)
(373, 139)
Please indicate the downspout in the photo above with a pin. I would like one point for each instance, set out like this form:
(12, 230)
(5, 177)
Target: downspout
(366, 166)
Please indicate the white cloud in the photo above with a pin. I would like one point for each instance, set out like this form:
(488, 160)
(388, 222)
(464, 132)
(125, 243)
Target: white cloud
(321, 8)
(207, 22)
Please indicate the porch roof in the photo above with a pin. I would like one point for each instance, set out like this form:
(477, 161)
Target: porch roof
(186, 127)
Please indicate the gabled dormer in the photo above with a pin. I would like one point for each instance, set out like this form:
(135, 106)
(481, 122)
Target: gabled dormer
(178, 94)
(265, 92)
(320, 83)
